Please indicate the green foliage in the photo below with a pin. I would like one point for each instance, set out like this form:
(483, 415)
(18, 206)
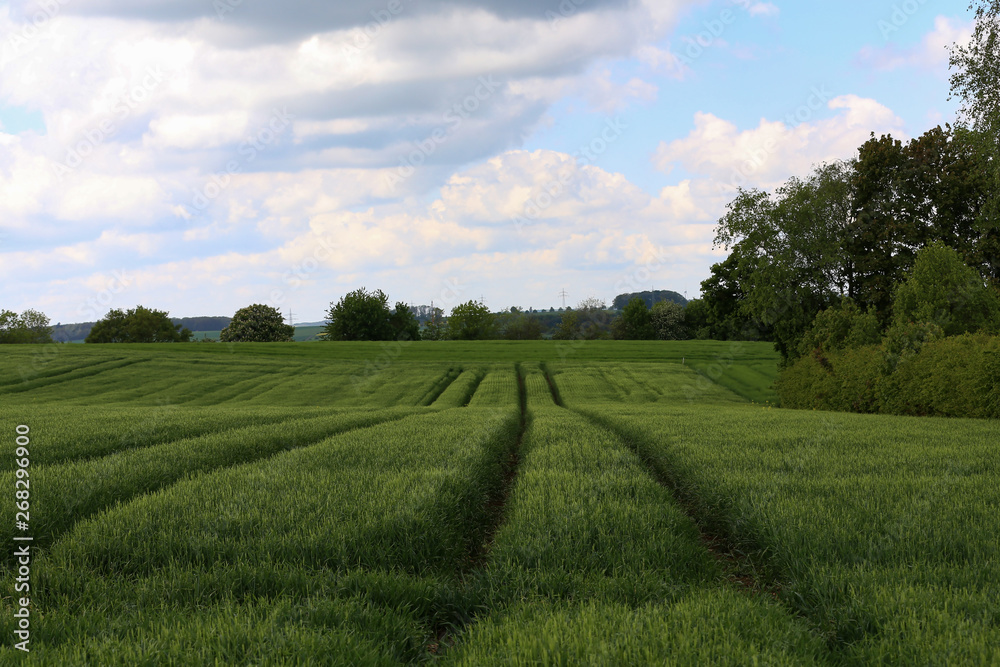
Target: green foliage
(517, 325)
(839, 327)
(915, 371)
(360, 315)
(696, 319)
(137, 325)
(257, 324)
(635, 322)
(943, 290)
(668, 321)
(976, 76)
(904, 339)
(471, 321)
(587, 323)
(404, 323)
(31, 327)
(436, 326)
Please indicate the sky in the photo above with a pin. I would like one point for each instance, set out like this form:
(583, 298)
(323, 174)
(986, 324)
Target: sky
(198, 156)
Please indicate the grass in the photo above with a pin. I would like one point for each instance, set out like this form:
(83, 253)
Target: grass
(487, 503)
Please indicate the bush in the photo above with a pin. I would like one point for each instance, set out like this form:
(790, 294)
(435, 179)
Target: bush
(948, 377)
(840, 327)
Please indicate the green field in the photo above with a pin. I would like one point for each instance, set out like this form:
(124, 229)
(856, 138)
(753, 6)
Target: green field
(484, 503)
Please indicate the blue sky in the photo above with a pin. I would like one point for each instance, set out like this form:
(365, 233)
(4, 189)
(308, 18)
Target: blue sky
(169, 154)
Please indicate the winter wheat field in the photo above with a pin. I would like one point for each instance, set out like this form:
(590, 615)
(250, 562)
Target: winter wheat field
(481, 504)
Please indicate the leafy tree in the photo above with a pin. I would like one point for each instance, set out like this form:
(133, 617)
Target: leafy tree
(696, 319)
(471, 321)
(841, 326)
(137, 325)
(360, 315)
(935, 188)
(257, 324)
(590, 321)
(668, 321)
(591, 303)
(721, 309)
(943, 290)
(436, 326)
(976, 79)
(788, 260)
(519, 326)
(31, 326)
(635, 322)
(404, 323)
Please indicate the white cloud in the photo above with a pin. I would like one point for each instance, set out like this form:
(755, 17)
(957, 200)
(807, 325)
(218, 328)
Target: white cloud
(931, 54)
(769, 154)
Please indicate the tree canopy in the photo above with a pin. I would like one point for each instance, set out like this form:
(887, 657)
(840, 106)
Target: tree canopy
(471, 321)
(137, 325)
(635, 322)
(31, 326)
(257, 323)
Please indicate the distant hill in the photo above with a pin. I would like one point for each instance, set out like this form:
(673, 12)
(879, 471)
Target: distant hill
(649, 297)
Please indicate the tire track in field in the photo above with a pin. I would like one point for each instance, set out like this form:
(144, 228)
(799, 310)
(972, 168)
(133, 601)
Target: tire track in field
(495, 514)
(747, 572)
(553, 389)
(43, 375)
(751, 572)
(73, 375)
(440, 385)
(480, 376)
(64, 508)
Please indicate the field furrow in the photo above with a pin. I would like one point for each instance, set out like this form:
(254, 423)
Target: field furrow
(67, 493)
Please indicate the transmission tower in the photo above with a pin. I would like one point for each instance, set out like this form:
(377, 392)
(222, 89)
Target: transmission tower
(563, 294)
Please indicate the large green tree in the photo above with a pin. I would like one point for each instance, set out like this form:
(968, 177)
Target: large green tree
(404, 323)
(787, 259)
(471, 321)
(31, 326)
(137, 325)
(635, 322)
(257, 323)
(360, 315)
